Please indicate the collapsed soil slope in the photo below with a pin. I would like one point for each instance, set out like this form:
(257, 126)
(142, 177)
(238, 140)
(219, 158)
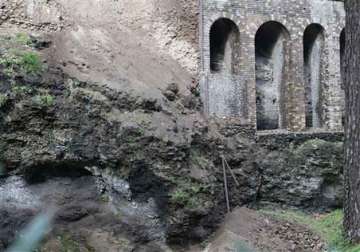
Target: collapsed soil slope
(151, 164)
(130, 45)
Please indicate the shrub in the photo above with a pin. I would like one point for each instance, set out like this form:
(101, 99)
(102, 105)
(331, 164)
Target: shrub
(180, 197)
(3, 99)
(187, 194)
(44, 100)
(15, 61)
(19, 89)
(31, 63)
(23, 38)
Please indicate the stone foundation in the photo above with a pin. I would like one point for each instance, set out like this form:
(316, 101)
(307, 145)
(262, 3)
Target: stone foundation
(302, 170)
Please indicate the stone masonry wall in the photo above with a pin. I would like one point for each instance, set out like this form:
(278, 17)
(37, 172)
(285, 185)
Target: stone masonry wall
(295, 16)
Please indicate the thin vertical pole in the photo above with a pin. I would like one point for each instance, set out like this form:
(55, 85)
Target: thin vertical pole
(226, 186)
(231, 172)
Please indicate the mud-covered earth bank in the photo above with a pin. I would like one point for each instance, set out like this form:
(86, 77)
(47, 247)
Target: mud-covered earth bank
(138, 173)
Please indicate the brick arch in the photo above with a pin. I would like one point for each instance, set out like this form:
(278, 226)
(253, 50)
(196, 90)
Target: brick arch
(224, 37)
(313, 49)
(260, 22)
(272, 45)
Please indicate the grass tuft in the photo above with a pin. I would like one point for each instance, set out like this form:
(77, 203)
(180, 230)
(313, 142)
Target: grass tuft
(23, 38)
(31, 63)
(17, 61)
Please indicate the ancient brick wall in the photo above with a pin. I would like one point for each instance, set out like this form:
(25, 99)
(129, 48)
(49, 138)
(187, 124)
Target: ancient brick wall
(241, 95)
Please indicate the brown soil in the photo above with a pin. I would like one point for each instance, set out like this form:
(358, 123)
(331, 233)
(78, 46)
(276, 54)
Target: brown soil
(133, 45)
(263, 233)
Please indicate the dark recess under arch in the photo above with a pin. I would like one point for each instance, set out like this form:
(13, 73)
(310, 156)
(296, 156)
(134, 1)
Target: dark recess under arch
(270, 57)
(313, 42)
(224, 46)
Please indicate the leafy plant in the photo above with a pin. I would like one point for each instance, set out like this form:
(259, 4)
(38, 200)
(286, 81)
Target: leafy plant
(44, 100)
(3, 99)
(180, 197)
(187, 193)
(19, 89)
(17, 61)
(31, 63)
(10, 61)
(23, 38)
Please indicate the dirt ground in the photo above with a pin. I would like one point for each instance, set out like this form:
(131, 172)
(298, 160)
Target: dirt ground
(247, 228)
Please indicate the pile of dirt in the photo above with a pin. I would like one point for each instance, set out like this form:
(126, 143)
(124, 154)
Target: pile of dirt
(245, 227)
(139, 46)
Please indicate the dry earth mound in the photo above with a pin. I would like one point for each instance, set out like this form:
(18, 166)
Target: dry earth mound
(149, 44)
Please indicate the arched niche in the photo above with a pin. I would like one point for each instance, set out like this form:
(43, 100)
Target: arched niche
(313, 42)
(224, 47)
(271, 49)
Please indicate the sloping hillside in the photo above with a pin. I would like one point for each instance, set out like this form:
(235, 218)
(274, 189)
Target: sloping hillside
(149, 44)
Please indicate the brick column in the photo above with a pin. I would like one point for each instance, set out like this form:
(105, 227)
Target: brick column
(247, 66)
(295, 91)
(333, 94)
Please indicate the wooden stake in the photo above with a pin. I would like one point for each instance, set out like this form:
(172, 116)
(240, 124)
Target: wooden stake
(226, 186)
(231, 172)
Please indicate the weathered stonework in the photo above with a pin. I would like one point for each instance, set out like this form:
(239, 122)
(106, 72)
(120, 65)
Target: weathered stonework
(284, 67)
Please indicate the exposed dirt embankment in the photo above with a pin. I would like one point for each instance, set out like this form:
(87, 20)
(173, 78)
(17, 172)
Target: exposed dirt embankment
(134, 45)
(156, 162)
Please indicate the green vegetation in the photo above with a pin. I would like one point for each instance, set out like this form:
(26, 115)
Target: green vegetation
(3, 99)
(31, 62)
(68, 244)
(181, 197)
(20, 89)
(17, 61)
(44, 100)
(198, 159)
(23, 38)
(17, 56)
(187, 193)
(328, 226)
(105, 198)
